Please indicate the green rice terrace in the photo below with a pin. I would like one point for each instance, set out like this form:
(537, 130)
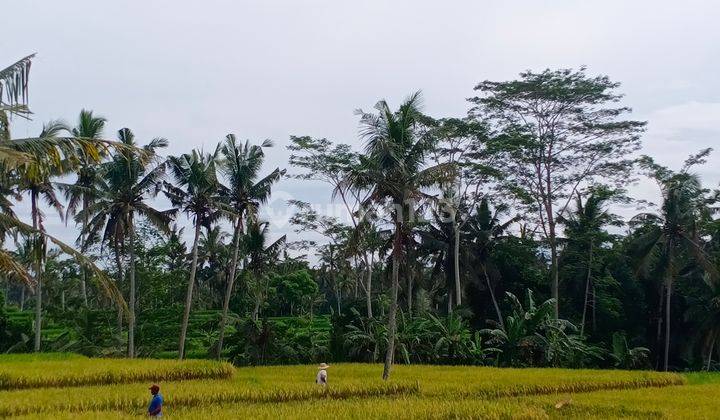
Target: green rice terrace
(73, 386)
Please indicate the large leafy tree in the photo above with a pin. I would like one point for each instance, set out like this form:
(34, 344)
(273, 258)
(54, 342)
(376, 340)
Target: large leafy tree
(461, 142)
(394, 169)
(196, 192)
(671, 241)
(334, 165)
(332, 254)
(129, 180)
(558, 130)
(246, 192)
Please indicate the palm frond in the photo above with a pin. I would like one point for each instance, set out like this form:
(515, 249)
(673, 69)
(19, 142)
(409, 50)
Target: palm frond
(14, 82)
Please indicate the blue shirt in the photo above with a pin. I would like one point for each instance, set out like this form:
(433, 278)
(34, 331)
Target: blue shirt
(156, 403)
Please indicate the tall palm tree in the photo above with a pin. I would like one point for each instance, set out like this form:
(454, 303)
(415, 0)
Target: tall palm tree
(438, 239)
(394, 169)
(215, 252)
(484, 232)
(241, 165)
(84, 191)
(585, 226)
(48, 153)
(35, 178)
(196, 193)
(262, 255)
(672, 237)
(129, 181)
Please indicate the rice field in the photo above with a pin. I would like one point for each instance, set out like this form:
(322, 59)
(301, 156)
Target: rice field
(23, 372)
(69, 386)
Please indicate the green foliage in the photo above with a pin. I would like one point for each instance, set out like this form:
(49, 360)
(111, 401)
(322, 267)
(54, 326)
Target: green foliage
(624, 356)
(280, 341)
(519, 196)
(294, 290)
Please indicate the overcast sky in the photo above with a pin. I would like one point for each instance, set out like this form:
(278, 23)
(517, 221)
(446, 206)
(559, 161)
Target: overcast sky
(195, 71)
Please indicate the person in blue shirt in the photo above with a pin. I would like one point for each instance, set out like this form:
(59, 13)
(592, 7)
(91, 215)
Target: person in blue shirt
(155, 408)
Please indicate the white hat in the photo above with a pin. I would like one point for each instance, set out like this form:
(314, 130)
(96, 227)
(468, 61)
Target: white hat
(323, 366)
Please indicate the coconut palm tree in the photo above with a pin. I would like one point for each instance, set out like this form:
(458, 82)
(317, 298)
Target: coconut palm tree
(241, 165)
(438, 239)
(216, 253)
(128, 182)
(84, 191)
(47, 154)
(585, 226)
(197, 193)
(261, 257)
(484, 231)
(393, 168)
(672, 239)
(35, 179)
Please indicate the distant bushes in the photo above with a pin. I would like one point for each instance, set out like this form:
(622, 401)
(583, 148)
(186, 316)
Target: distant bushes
(281, 341)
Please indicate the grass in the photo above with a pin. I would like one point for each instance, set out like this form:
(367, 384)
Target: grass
(488, 382)
(691, 401)
(133, 398)
(77, 387)
(371, 408)
(30, 371)
(6, 359)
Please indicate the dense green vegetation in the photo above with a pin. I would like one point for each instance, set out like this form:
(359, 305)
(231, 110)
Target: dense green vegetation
(485, 239)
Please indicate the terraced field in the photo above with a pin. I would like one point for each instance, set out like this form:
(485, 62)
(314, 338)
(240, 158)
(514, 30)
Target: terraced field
(68, 386)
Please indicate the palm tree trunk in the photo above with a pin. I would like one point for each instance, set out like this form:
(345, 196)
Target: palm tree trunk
(456, 261)
(594, 306)
(256, 309)
(658, 326)
(131, 303)
(229, 288)
(39, 257)
(392, 316)
(410, 278)
(22, 298)
(368, 287)
(555, 273)
(338, 298)
(587, 288)
(38, 305)
(83, 278)
(38, 272)
(189, 296)
(710, 352)
(118, 262)
(492, 296)
(667, 325)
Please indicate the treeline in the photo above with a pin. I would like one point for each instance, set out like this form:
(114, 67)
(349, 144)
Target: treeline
(485, 239)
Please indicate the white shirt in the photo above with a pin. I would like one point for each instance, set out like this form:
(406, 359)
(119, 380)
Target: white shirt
(321, 377)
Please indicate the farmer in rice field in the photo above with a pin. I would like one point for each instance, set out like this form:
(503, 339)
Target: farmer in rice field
(321, 378)
(155, 407)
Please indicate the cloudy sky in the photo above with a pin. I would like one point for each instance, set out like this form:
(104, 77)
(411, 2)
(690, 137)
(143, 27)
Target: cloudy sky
(195, 71)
